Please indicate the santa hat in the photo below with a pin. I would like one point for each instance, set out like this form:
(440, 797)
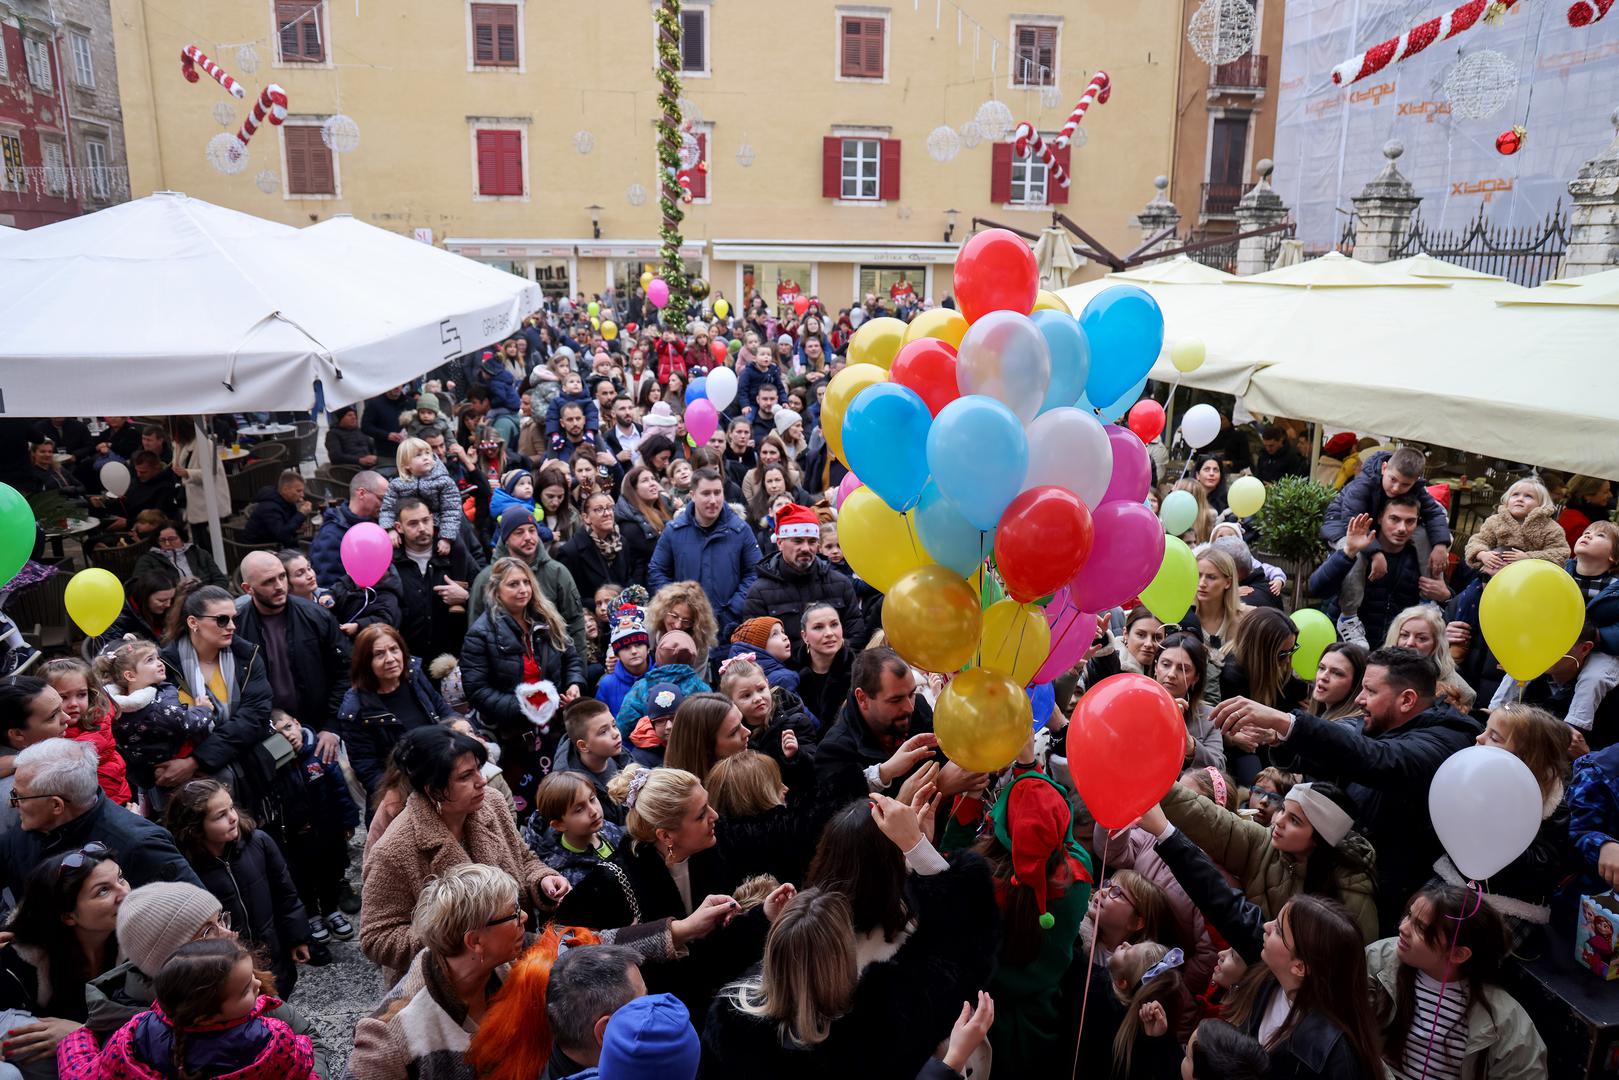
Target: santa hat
(629, 627)
(1032, 819)
(794, 522)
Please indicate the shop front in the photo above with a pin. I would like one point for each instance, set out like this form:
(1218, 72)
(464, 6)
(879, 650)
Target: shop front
(838, 274)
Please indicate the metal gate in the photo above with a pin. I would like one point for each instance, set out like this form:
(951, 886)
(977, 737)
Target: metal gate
(1526, 254)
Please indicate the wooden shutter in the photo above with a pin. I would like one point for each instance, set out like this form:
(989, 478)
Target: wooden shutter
(500, 163)
(494, 35)
(699, 178)
(831, 167)
(1056, 194)
(693, 55)
(888, 169)
(298, 26)
(309, 162)
(862, 48)
(1000, 173)
(1036, 56)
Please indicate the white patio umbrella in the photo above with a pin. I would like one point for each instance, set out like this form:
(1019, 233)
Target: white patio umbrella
(1055, 258)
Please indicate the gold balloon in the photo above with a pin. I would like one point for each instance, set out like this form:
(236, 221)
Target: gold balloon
(1016, 641)
(880, 543)
(1050, 301)
(945, 324)
(698, 289)
(982, 720)
(94, 598)
(839, 392)
(609, 330)
(931, 617)
(1531, 614)
(877, 342)
(646, 278)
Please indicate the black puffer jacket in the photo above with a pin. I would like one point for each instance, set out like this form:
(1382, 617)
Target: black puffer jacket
(252, 884)
(590, 571)
(492, 668)
(370, 729)
(782, 591)
(640, 538)
(234, 742)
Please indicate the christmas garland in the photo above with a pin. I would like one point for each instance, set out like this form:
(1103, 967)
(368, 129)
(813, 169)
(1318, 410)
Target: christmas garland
(667, 17)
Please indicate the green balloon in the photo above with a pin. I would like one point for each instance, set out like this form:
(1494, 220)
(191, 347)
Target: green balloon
(1316, 632)
(1174, 587)
(992, 593)
(17, 530)
(735, 346)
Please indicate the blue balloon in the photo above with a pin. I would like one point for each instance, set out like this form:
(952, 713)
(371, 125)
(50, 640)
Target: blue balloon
(978, 454)
(1070, 357)
(697, 389)
(1126, 332)
(951, 539)
(1117, 410)
(885, 437)
(1043, 698)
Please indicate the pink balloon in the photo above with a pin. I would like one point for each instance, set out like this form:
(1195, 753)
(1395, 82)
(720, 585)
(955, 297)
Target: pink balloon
(367, 553)
(657, 291)
(1072, 631)
(1132, 469)
(1128, 551)
(849, 482)
(701, 419)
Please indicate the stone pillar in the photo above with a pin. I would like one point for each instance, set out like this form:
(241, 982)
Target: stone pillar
(1159, 215)
(1593, 225)
(1258, 208)
(1383, 210)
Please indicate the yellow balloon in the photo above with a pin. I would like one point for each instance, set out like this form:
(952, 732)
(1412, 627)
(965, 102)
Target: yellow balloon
(877, 342)
(1246, 496)
(595, 323)
(1187, 355)
(880, 543)
(982, 720)
(722, 307)
(94, 598)
(1050, 301)
(931, 617)
(609, 330)
(945, 324)
(1531, 614)
(1016, 641)
(839, 392)
(646, 278)
(1174, 587)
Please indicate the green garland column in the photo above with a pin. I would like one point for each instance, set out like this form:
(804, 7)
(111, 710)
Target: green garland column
(669, 190)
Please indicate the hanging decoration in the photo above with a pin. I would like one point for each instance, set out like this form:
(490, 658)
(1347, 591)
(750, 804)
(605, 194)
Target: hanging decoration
(689, 112)
(1222, 30)
(1099, 90)
(340, 134)
(943, 143)
(971, 134)
(1050, 97)
(584, 142)
(745, 155)
(191, 58)
(994, 120)
(691, 151)
(1419, 37)
(1586, 12)
(247, 59)
(1079, 139)
(1027, 141)
(1481, 84)
(267, 182)
(666, 16)
(636, 195)
(1510, 141)
(227, 154)
(223, 114)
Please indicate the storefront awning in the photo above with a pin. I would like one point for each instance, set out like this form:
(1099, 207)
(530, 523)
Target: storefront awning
(813, 251)
(498, 248)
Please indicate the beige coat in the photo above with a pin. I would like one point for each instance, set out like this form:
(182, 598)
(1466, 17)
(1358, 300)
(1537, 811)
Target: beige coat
(1537, 536)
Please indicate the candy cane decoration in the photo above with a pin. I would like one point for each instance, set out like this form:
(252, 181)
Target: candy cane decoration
(1100, 89)
(1586, 12)
(1025, 139)
(192, 58)
(1418, 38)
(271, 105)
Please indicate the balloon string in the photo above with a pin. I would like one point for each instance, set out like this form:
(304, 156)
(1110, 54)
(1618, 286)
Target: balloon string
(1090, 964)
(364, 605)
(1450, 961)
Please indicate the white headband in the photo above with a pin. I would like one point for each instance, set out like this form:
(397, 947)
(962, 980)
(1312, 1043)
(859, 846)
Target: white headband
(1326, 817)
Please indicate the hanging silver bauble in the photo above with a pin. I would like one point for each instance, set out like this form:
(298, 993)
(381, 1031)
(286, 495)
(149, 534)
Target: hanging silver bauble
(689, 112)
(971, 134)
(745, 155)
(636, 195)
(1222, 30)
(340, 133)
(1481, 84)
(994, 120)
(584, 142)
(227, 154)
(267, 182)
(943, 143)
(1050, 97)
(224, 115)
(247, 59)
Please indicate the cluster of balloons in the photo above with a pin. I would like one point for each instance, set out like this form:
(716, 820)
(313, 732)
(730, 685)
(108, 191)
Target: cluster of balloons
(709, 395)
(94, 597)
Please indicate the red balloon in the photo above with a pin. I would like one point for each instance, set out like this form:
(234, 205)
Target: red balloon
(801, 304)
(995, 271)
(1146, 419)
(1042, 540)
(1125, 746)
(928, 366)
(720, 351)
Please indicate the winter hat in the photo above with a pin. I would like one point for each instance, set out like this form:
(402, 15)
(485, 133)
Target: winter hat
(676, 647)
(427, 401)
(1340, 445)
(1032, 819)
(629, 627)
(339, 413)
(508, 483)
(649, 1038)
(785, 339)
(660, 416)
(155, 920)
(786, 418)
(794, 522)
(663, 699)
(512, 519)
(756, 632)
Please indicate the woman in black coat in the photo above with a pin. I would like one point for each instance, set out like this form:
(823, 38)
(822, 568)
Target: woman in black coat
(586, 554)
(518, 668)
(641, 512)
(388, 696)
(825, 663)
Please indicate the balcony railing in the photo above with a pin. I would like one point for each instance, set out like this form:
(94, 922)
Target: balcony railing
(1220, 200)
(1246, 74)
(86, 184)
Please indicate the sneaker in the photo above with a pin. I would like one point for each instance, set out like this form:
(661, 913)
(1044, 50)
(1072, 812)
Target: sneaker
(319, 955)
(20, 660)
(348, 901)
(1350, 628)
(339, 924)
(317, 932)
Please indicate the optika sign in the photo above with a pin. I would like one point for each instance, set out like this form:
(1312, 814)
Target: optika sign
(1426, 109)
(1486, 187)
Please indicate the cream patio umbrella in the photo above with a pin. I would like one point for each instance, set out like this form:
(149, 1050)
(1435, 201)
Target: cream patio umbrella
(1055, 258)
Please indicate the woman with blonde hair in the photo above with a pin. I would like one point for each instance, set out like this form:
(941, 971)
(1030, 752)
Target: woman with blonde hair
(763, 825)
(1203, 525)
(1421, 628)
(682, 605)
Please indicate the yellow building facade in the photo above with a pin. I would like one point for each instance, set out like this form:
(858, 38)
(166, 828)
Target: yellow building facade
(522, 133)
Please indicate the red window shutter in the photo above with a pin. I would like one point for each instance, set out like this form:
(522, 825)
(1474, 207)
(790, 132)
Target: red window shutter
(831, 167)
(1000, 173)
(699, 178)
(1056, 194)
(511, 162)
(488, 162)
(506, 35)
(483, 34)
(888, 170)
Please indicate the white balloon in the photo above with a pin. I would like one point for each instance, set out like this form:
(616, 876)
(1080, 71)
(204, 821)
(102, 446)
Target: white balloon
(1069, 448)
(1004, 356)
(1485, 805)
(115, 478)
(1200, 425)
(721, 387)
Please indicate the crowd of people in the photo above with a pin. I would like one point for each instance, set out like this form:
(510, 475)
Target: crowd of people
(638, 789)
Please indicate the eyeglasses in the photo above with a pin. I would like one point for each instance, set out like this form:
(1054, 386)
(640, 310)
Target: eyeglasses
(513, 917)
(680, 622)
(1266, 794)
(224, 622)
(1111, 890)
(18, 800)
(1287, 654)
(74, 860)
(218, 927)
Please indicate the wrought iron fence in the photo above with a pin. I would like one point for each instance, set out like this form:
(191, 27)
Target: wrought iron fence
(1223, 256)
(1527, 254)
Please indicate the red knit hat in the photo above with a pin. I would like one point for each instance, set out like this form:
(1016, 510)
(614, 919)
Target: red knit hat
(794, 522)
(1037, 821)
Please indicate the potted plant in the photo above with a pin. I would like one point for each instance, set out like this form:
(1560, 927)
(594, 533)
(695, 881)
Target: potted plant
(1288, 528)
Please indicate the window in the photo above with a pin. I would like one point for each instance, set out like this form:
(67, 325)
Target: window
(494, 35)
(1034, 62)
(84, 68)
(55, 161)
(694, 41)
(1015, 181)
(310, 170)
(95, 156)
(861, 168)
(11, 151)
(860, 47)
(1029, 175)
(298, 31)
(38, 55)
(500, 163)
(5, 64)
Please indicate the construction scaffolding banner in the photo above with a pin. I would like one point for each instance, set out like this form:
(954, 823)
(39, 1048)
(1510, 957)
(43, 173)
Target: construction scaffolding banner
(1559, 82)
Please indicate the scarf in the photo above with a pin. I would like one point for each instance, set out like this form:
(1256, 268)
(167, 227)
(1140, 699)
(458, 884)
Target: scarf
(197, 682)
(609, 545)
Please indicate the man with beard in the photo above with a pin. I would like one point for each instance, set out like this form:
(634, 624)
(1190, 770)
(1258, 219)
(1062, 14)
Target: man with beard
(796, 577)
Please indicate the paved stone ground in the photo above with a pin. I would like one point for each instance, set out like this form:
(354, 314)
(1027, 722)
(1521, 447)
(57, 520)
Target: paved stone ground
(337, 995)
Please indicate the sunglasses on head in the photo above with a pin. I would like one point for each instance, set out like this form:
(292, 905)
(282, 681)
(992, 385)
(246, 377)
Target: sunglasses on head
(75, 860)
